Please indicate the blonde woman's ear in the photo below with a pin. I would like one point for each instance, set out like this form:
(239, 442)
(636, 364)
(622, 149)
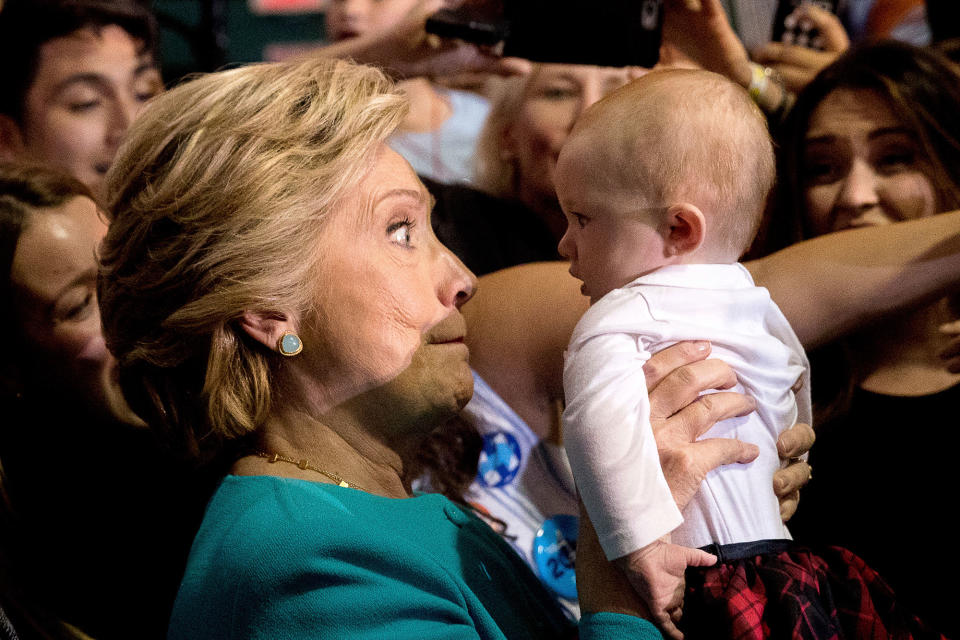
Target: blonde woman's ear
(267, 328)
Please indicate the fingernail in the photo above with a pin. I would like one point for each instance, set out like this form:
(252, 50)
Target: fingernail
(701, 345)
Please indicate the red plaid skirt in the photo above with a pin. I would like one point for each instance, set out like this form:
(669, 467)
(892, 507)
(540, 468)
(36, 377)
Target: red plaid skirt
(796, 593)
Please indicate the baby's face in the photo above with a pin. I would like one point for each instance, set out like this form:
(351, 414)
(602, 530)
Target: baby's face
(611, 239)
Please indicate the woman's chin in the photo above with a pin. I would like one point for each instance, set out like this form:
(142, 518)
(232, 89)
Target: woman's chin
(113, 402)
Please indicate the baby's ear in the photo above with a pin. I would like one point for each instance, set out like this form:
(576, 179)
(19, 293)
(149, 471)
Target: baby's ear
(685, 229)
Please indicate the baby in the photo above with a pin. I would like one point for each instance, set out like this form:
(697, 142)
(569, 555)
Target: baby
(663, 184)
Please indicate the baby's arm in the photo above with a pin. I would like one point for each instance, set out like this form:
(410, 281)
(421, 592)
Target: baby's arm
(614, 457)
(610, 444)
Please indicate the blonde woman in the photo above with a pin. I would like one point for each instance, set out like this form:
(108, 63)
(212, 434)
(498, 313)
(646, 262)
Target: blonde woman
(274, 294)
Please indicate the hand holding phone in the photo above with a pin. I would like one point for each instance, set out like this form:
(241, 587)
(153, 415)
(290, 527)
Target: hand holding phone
(794, 25)
(606, 33)
(797, 63)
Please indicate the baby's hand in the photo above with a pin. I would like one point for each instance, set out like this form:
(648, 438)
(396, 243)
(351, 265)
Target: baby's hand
(656, 573)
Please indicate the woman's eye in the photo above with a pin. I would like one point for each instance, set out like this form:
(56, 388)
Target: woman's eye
(77, 310)
(82, 106)
(401, 233)
(820, 171)
(896, 161)
(581, 220)
(559, 93)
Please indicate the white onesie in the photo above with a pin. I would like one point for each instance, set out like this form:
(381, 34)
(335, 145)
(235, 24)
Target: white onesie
(606, 424)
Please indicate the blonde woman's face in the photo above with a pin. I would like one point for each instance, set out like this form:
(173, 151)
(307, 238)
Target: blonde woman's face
(54, 278)
(352, 18)
(387, 288)
(862, 166)
(554, 97)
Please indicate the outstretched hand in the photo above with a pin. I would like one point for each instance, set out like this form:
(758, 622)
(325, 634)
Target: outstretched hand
(702, 31)
(407, 50)
(798, 65)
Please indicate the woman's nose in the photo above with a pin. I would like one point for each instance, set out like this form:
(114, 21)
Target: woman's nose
(859, 191)
(458, 283)
(353, 9)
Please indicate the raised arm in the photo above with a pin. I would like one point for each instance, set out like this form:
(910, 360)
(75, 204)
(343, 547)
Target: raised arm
(518, 325)
(829, 286)
(521, 318)
(406, 50)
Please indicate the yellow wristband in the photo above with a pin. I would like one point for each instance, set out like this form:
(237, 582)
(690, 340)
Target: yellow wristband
(759, 78)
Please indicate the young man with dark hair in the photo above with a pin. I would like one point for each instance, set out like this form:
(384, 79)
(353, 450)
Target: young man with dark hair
(74, 75)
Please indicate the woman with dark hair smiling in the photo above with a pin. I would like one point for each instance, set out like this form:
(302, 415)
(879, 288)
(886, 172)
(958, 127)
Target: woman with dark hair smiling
(97, 552)
(875, 139)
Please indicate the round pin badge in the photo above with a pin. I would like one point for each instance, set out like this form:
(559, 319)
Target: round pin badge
(555, 552)
(499, 459)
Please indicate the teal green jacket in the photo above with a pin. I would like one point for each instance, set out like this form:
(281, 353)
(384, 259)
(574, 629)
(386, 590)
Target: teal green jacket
(288, 560)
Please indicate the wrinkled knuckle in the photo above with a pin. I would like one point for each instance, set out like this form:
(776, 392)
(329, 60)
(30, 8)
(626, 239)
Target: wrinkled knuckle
(652, 370)
(708, 403)
(686, 376)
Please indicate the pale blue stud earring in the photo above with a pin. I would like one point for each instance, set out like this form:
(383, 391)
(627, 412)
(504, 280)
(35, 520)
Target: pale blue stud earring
(289, 344)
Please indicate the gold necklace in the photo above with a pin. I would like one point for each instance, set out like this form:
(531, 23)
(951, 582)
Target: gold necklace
(303, 463)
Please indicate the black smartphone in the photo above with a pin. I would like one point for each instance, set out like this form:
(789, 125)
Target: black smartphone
(788, 29)
(480, 22)
(612, 33)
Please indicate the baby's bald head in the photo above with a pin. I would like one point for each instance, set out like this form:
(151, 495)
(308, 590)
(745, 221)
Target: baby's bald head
(682, 136)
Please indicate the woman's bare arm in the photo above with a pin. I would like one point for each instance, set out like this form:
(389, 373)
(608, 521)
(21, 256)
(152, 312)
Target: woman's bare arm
(518, 325)
(829, 286)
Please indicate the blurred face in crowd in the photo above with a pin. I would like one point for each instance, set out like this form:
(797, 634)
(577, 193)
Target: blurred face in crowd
(352, 18)
(88, 88)
(862, 166)
(554, 97)
(54, 280)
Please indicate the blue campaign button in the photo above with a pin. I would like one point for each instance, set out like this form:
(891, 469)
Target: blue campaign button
(499, 459)
(555, 552)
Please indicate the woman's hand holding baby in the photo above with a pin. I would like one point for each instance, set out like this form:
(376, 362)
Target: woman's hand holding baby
(679, 415)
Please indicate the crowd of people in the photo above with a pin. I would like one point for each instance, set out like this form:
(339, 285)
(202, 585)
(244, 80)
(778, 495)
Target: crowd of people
(299, 349)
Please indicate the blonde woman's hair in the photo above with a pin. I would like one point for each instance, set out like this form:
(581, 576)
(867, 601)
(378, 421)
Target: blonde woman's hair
(217, 198)
(494, 172)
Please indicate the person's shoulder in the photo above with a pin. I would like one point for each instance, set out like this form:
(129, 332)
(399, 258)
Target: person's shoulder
(621, 310)
(464, 100)
(252, 511)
